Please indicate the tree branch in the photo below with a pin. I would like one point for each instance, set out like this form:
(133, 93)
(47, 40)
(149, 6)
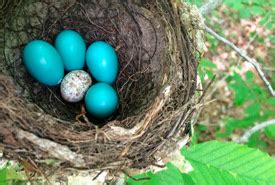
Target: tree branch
(251, 131)
(54, 149)
(243, 54)
(209, 6)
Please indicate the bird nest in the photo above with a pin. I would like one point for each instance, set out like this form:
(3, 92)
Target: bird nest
(156, 84)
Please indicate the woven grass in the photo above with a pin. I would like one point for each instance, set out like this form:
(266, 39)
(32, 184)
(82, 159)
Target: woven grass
(156, 85)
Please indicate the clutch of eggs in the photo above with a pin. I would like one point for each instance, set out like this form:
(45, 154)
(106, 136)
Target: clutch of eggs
(74, 85)
(47, 65)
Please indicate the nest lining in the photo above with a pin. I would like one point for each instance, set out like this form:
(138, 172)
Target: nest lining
(156, 84)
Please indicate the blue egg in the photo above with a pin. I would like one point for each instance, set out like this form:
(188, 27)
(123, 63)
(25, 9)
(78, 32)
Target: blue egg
(102, 62)
(43, 62)
(101, 100)
(72, 49)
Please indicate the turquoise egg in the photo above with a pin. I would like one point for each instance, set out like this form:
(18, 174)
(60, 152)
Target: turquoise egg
(102, 62)
(101, 100)
(43, 62)
(72, 49)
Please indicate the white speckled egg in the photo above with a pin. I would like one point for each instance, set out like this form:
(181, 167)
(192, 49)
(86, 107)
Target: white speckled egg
(74, 85)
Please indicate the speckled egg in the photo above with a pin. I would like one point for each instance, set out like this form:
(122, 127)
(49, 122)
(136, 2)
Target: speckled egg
(74, 85)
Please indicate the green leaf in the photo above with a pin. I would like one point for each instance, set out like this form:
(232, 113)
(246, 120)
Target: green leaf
(237, 5)
(212, 41)
(269, 26)
(272, 38)
(8, 175)
(202, 127)
(255, 141)
(253, 109)
(270, 132)
(232, 123)
(187, 179)
(196, 2)
(249, 76)
(242, 92)
(12, 174)
(206, 67)
(229, 163)
(170, 176)
(256, 10)
(3, 176)
(207, 63)
(245, 13)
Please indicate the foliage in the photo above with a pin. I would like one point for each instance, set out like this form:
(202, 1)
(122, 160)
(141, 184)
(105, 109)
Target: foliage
(254, 104)
(257, 104)
(205, 69)
(229, 163)
(10, 174)
(253, 100)
(270, 132)
(169, 176)
(250, 98)
(198, 3)
(218, 163)
(248, 8)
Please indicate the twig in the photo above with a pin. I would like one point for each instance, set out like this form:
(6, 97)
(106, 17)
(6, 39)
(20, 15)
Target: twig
(52, 93)
(98, 174)
(196, 117)
(134, 178)
(254, 129)
(209, 6)
(242, 53)
(206, 89)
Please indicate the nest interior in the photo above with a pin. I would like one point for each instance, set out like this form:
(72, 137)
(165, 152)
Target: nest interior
(156, 84)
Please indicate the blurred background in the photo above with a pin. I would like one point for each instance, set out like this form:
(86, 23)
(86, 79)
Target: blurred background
(240, 99)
